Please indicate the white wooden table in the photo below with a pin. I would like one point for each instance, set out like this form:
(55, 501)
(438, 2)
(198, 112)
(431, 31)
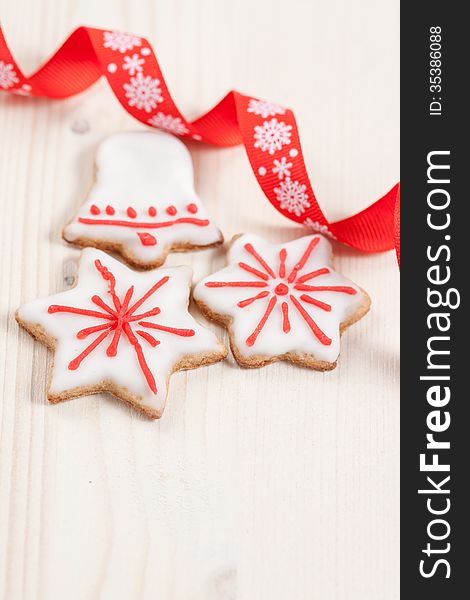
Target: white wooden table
(271, 484)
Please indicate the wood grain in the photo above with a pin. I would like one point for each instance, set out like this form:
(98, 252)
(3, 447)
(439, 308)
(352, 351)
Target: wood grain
(270, 484)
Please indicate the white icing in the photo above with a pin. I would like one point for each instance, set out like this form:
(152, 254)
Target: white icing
(123, 369)
(272, 340)
(139, 170)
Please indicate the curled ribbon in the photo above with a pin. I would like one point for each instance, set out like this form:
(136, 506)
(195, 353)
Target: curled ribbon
(268, 131)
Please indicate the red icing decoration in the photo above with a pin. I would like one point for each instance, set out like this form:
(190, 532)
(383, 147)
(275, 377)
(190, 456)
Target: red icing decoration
(285, 317)
(53, 308)
(192, 208)
(75, 363)
(344, 289)
(322, 337)
(112, 349)
(249, 248)
(315, 302)
(145, 315)
(282, 288)
(248, 301)
(171, 210)
(147, 239)
(144, 225)
(253, 271)
(148, 337)
(149, 293)
(252, 338)
(110, 210)
(152, 211)
(306, 255)
(113, 346)
(140, 357)
(99, 302)
(131, 213)
(83, 333)
(94, 209)
(182, 332)
(308, 276)
(118, 323)
(216, 284)
(282, 263)
(109, 277)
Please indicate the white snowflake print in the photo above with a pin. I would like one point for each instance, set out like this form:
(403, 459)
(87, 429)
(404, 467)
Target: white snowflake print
(133, 64)
(318, 227)
(272, 135)
(282, 167)
(265, 109)
(143, 92)
(168, 123)
(292, 196)
(24, 90)
(119, 41)
(8, 76)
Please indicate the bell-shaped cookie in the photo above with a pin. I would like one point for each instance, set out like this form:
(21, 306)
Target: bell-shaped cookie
(142, 204)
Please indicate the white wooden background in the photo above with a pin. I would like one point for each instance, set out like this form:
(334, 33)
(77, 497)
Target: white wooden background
(272, 484)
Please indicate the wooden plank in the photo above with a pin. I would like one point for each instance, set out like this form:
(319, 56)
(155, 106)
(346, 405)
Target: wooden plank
(268, 484)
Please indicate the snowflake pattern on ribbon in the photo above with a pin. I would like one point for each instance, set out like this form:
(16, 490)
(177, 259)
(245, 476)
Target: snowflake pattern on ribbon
(168, 123)
(318, 227)
(120, 41)
(292, 196)
(236, 119)
(264, 109)
(282, 167)
(8, 76)
(143, 92)
(272, 136)
(133, 64)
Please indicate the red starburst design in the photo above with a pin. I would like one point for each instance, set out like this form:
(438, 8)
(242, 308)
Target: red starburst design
(284, 287)
(119, 320)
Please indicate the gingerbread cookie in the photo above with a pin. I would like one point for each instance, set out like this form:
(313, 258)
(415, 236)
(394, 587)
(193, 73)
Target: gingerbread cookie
(142, 204)
(282, 302)
(120, 331)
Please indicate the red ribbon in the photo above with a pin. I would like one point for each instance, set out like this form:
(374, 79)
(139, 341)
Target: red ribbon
(268, 131)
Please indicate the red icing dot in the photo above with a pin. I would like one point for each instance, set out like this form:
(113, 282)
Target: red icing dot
(281, 289)
(152, 211)
(192, 208)
(147, 239)
(171, 210)
(110, 210)
(131, 213)
(94, 209)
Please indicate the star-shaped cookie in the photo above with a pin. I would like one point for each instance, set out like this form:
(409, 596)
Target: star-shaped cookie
(120, 331)
(282, 302)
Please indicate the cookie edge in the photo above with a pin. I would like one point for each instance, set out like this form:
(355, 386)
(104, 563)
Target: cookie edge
(116, 248)
(186, 362)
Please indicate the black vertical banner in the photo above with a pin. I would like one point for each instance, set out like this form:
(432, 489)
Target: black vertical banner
(435, 209)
